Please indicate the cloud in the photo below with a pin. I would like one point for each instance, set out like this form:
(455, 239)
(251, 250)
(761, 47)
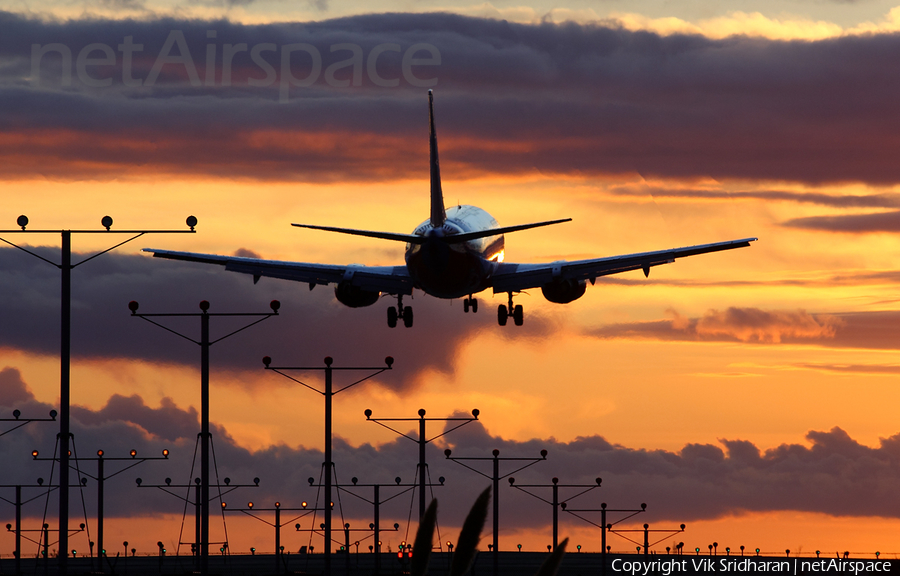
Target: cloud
(853, 368)
(601, 100)
(850, 223)
(309, 327)
(801, 197)
(732, 325)
(15, 391)
(755, 325)
(867, 330)
(136, 5)
(829, 473)
(246, 253)
(167, 422)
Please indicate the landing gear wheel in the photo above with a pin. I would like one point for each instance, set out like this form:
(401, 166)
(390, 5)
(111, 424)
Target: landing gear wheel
(466, 305)
(408, 317)
(392, 317)
(518, 315)
(474, 305)
(502, 315)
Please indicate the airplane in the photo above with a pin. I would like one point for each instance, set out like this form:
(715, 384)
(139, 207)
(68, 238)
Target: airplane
(457, 252)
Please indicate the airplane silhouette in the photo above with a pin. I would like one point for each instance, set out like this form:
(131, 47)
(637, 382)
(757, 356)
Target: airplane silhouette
(457, 252)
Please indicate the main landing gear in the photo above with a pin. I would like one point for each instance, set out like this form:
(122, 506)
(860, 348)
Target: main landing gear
(472, 303)
(400, 312)
(504, 312)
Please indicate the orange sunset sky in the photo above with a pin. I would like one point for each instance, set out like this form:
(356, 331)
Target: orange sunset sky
(750, 394)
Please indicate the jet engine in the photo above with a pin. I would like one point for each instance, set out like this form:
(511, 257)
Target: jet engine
(354, 296)
(563, 291)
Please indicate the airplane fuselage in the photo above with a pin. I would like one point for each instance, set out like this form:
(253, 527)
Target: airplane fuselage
(455, 270)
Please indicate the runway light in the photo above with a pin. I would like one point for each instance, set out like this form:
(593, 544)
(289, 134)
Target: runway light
(133, 453)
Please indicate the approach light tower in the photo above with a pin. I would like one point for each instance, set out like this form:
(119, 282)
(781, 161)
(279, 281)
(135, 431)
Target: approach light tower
(205, 343)
(65, 266)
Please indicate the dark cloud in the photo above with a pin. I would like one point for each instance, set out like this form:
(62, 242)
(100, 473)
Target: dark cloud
(167, 422)
(548, 98)
(850, 223)
(246, 253)
(15, 391)
(309, 327)
(830, 473)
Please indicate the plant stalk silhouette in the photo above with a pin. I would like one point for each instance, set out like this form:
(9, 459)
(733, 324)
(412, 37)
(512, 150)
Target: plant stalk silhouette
(467, 544)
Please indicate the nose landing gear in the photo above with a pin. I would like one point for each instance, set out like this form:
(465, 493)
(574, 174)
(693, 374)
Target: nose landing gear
(470, 302)
(504, 312)
(401, 312)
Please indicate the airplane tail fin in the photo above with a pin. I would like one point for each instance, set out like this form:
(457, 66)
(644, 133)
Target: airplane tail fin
(438, 215)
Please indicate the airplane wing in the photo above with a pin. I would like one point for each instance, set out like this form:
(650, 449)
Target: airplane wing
(386, 279)
(511, 277)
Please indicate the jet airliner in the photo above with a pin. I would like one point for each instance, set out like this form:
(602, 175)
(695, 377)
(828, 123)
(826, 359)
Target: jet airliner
(456, 253)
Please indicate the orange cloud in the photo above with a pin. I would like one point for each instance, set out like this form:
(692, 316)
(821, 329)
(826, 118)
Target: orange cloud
(755, 325)
(734, 324)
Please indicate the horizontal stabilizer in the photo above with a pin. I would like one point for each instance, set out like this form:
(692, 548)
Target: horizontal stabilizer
(411, 238)
(416, 239)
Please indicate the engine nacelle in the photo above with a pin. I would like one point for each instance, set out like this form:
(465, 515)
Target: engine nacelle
(563, 291)
(354, 296)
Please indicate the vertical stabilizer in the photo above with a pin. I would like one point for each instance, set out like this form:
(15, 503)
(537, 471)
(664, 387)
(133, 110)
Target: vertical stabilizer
(438, 215)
